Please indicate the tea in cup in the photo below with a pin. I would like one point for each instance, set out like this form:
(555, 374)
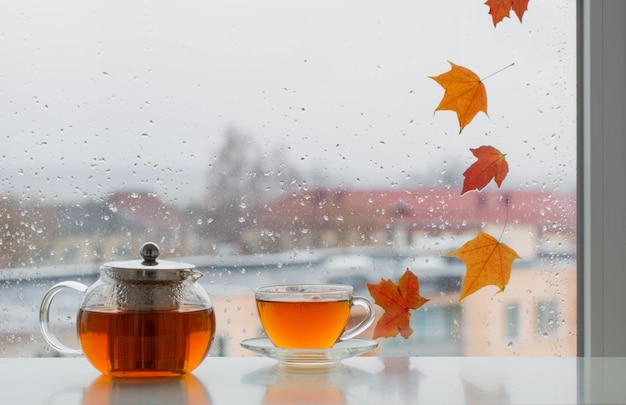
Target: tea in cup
(311, 316)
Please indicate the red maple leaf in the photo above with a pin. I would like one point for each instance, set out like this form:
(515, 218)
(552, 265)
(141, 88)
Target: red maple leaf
(396, 301)
(499, 9)
(491, 164)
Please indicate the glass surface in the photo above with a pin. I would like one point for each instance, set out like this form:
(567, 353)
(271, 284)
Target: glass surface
(277, 142)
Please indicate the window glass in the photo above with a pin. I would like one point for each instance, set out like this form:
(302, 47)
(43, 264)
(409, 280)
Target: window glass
(282, 142)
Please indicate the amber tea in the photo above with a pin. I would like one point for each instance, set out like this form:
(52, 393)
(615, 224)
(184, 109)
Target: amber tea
(311, 324)
(311, 316)
(146, 343)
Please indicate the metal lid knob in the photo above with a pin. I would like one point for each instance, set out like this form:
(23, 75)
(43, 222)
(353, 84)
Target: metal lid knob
(149, 251)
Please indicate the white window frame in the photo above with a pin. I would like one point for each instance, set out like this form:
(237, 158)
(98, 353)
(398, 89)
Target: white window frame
(602, 274)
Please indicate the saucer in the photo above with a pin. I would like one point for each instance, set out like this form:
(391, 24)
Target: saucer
(310, 357)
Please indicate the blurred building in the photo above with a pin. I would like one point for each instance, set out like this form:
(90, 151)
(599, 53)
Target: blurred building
(534, 222)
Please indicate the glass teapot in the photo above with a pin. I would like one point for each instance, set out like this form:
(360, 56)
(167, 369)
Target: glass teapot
(141, 318)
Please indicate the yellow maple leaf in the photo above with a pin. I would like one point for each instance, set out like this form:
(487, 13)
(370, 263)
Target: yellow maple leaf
(488, 262)
(464, 94)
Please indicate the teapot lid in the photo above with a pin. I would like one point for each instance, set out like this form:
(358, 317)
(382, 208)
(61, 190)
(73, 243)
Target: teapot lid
(149, 269)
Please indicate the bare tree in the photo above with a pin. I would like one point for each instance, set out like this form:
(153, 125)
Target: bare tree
(243, 177)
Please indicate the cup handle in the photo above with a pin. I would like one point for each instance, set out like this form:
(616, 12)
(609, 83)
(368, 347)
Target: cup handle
(365, 323)
(44, 315)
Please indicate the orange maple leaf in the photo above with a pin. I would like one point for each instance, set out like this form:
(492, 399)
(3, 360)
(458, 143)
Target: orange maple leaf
(488, 262)
(491, 164)
(519, 7)
(465, 93)
(396, 301)
(499, 9)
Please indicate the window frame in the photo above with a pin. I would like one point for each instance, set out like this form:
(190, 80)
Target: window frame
(602, 190)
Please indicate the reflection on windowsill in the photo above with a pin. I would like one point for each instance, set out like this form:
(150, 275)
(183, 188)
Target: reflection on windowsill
(183, 390)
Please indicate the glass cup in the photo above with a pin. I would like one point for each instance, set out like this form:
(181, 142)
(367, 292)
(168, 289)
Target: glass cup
(309, 316)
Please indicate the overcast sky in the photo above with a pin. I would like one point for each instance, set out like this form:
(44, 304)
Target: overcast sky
(100, 94)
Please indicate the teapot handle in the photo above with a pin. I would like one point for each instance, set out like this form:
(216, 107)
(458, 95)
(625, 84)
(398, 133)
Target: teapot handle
(44, 315)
